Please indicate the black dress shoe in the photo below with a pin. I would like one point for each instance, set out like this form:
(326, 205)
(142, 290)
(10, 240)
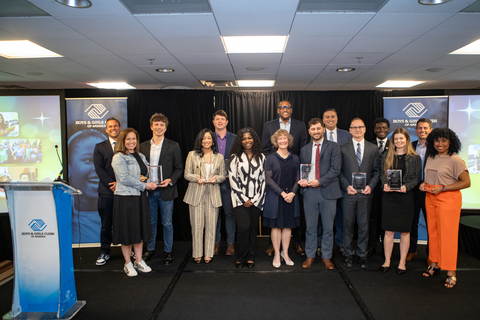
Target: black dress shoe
(341, 249)
(147, 255)
(250, 264)
(239, 265)
(401, 271)
(168, 258)
(371, 251)
(348, 262)
(363, 263)
(384, 269)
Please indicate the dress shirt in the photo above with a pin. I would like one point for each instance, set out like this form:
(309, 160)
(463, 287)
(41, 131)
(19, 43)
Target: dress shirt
(421, 150)
(362, 146)
(221, 143)
(285, 126)
(334, 131)
(155, 151)
(112, 143)
(314, 151)
(383, 145)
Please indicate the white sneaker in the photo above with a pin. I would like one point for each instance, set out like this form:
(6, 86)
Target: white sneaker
(130, 270)
(142, 267)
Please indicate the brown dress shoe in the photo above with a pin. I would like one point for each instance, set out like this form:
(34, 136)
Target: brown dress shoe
(328, 264)
(300, 250)
(270, 250)
(308, 263)
(230, 249)
(411, 256)
(217, 248)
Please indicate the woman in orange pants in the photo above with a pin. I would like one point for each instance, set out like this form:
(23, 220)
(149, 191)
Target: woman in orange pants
(445, 175)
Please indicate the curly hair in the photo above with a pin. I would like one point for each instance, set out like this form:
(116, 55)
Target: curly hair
(198, 148)
(278, 133)
(158, 117)
(448, 134)
(237, 147)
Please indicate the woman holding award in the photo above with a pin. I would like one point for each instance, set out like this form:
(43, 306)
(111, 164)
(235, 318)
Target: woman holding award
(205, 170)
(131, 212)
(401, 172)
(445, 175)
(247, 181)
(281, 210)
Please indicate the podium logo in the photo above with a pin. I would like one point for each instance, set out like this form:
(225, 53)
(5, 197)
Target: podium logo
(96, 111)
(415, 110)
(37, 225)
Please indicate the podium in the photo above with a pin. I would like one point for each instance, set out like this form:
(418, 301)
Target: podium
(41, 221)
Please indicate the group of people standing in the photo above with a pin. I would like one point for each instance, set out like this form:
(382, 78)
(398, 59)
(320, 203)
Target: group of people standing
(250, 178)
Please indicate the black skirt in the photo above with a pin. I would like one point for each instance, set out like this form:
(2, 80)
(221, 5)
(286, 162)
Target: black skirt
(397, 211)
(131, 219)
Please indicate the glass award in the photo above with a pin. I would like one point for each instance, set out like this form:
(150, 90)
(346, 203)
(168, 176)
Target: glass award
(307, 172)
(359, 181)
(155, 174)
(394, 178)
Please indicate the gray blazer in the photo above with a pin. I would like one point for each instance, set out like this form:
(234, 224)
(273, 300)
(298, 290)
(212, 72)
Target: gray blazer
(413, 171)
(194, 168)
(127, 174)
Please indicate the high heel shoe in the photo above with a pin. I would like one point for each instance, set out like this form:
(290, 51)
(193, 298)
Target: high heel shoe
(401, 271)
(276, 265)
(197, 261)
(288, 263)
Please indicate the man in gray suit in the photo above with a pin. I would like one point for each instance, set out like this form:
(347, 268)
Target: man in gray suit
(358, 156)
(320, 191)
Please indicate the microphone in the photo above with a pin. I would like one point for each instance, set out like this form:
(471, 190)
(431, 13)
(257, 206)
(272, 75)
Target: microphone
(59, 178)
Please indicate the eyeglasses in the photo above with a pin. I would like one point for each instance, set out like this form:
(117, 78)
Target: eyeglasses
(285, 107)
(357, 128)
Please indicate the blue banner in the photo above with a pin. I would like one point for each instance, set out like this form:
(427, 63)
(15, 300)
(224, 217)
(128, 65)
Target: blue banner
(86, 123)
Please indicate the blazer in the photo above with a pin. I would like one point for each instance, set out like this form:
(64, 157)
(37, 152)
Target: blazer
(378, 191)
(172, 165)
(127, 172)
(297, 130)
(225, 186)
(343, 136)
(194, 168)
(329, 166)
(412, 174)
(102, 160)
(370, 165)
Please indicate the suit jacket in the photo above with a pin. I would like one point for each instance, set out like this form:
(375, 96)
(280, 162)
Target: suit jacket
(194, 168)
(370, 165)
(172, 165)
(329, 166)
(343, 136)
(102, 160)
(297, 130)
(225, 186)
(378, 191)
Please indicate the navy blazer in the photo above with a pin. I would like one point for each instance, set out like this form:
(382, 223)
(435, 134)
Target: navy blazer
(102, 160)
(172, 165)
(343, 136)
(330, 165)
(225, 185)
(297, 130)
(370, 165)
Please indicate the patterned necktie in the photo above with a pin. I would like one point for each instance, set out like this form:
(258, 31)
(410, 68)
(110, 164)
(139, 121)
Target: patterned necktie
(380, 147)
(317, 162)
(359, 154)
(331, 136)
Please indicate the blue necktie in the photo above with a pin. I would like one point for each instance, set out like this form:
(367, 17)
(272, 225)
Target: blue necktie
(331, 136)
(359, 154)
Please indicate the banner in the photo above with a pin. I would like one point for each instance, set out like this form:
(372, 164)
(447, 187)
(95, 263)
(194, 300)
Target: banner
(86, 123)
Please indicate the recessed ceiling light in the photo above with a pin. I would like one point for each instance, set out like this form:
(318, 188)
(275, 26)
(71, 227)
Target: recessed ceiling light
(111, 85)
(347, 69)
(432, 2)
(399, 84)
(256, 44)
(256, 83)
(165, 70)
(255, 68)
(472, 48)
(434, 69)
(21, 49)
(80, 4)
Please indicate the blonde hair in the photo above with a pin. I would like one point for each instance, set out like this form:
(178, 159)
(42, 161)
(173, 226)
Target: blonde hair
(278, 133)
(391, 158)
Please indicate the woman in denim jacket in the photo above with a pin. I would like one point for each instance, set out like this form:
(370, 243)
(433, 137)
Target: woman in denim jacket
(131, 213)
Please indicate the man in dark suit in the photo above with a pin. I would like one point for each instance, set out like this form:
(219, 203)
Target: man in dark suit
(163, 152)
(381, 126)
(320, 191)
(299, 132)
(423, 129)
(358, 156)
(102, 160)
(224, 143)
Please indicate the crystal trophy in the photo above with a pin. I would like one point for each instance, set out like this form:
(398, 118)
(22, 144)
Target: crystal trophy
(155, 174)
(307, 172)
(359, 181)
(394, 178)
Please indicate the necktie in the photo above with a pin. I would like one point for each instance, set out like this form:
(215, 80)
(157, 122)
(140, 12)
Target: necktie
(359, 154)
(331, 136)
(317, 162)
(113, 144)
(380, 146)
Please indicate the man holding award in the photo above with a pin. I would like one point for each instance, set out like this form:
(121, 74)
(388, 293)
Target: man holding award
(320, 165)
(359, 175)
(166, 166)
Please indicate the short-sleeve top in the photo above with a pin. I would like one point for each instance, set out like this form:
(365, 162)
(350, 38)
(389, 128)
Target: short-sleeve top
(444, 169)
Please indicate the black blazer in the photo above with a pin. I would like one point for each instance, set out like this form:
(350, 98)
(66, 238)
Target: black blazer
(102, 160)
(297, 130)
(172, 165)
(378, 191)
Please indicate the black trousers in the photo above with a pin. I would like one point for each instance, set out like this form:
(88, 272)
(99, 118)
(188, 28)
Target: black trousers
(375, 223)
(419, 198)
(247, 228)
(105, 210)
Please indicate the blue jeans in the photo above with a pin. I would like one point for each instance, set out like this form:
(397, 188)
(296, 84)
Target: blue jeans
(230, 223)
(166, 212)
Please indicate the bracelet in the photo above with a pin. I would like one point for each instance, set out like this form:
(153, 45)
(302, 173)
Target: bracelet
(443, 189)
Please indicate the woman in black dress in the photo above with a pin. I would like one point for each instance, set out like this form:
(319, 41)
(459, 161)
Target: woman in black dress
(281, 210)
(398, 205)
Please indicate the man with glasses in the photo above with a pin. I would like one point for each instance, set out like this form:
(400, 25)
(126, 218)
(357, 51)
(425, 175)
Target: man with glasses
(361, 158)
(299, 132)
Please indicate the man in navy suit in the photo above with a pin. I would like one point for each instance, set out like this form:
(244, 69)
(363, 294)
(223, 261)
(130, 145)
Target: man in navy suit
(102, 160)
(224, 143)
(163, 152)
(299, 132)
(381, 126)
(358, 156)
(320, 191)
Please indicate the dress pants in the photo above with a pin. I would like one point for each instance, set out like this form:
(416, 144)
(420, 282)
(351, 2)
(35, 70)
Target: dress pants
(105, 210)
(247, 228)
(155, 201)
(203, 219)
(419, 198)
(356, 207)
(225, 193)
